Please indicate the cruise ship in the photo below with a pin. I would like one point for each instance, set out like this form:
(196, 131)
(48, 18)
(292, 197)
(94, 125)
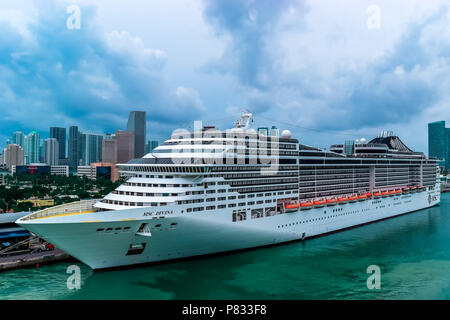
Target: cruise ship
(211, 191)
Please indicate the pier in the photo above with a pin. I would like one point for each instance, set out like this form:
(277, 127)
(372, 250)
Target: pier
(32, 259)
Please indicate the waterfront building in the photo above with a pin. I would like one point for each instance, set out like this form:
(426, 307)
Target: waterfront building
(137, 124)
(439, 142)
(51, 151)
(60, 135)
(13, 155)
(91, 148)
(32, 147)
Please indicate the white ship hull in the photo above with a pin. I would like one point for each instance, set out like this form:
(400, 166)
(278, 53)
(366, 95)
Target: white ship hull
(206, 233)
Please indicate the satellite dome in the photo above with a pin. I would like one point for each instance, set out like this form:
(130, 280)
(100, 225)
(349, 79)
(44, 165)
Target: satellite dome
(251, 131)
(363, 140)
(286, 134)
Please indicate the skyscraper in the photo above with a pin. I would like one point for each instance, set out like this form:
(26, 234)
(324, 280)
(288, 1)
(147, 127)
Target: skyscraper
(32, 145)
(13, 155)
(74, 147)
(60, 135)
(109, 149)
(137, 124)
(438, 142)
(51, 149)
(125, 142)
(18, 138)
(91, 148)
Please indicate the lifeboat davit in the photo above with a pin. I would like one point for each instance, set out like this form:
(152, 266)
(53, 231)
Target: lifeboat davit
(331, 202)
(292, 207)
(306, 205)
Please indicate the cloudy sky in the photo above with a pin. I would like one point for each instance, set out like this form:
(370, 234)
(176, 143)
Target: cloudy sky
(329, 71)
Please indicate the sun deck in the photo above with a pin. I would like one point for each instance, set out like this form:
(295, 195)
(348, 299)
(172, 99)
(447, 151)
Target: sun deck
(68, 209)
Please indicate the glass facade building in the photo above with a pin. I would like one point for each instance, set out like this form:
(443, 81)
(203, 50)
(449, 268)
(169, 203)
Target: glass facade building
(137, 124)
(60, 135)
(438, 142)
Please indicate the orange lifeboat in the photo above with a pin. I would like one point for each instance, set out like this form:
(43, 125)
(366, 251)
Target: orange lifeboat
(399, 191)
(368, 194)
(292, 207)
(342, 200)
(319, 203)
(331, 202)
(306, 205)
(384, 194)
(405, 189)
(391, 193)
(352, 198)
(362, 197)
(377, 195)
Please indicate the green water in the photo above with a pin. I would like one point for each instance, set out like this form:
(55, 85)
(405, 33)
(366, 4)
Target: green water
(412, 251)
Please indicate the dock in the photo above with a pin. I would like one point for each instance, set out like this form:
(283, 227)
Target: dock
(32, 259)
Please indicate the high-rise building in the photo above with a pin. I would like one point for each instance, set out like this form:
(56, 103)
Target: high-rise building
(32, 147)
(18, 138)
(51, 149)
(151, 145)
(91, 148)
(13, 155)
(74, 147)
(439, 142)
(137, 124)
(109, 149)
(125, 142)
(60, 135)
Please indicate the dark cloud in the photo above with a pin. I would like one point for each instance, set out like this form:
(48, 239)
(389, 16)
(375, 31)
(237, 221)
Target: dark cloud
(395, 88)
(86, 77)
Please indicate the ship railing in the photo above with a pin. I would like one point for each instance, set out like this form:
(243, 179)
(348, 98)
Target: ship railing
(68, 208)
